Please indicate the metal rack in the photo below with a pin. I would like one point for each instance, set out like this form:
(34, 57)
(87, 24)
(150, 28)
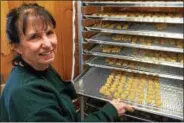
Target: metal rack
(175, 31)
(90, 104)
(170, 73)
(102, 38)
(127, 54)
(134, 3)
(140, 68)
(86, 86)
(168, 19)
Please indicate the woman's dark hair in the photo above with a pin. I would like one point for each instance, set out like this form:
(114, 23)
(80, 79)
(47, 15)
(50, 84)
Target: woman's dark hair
(23, 12)
(20, 15)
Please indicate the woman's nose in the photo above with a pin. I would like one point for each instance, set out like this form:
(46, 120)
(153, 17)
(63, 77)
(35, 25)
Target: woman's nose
(46, 42)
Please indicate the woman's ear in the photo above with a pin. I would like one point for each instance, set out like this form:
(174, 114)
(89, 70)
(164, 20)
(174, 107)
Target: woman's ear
(17, 48)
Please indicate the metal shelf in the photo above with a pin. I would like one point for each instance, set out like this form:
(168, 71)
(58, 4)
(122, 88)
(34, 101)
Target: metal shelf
(127, 115)
(102, 38)
(126, 53)
(171, 107)
(170, 73)
(138, 19)
(138, 118)
(144, 29)
(178, 4)
(154, 70)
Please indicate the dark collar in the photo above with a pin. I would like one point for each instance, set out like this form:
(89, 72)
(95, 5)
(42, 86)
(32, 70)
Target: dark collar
(29, 68)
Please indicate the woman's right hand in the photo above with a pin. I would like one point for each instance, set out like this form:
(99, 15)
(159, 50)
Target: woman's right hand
(121, 107)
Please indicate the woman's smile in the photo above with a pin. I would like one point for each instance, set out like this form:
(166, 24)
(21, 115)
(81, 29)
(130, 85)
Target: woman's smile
(47, 55)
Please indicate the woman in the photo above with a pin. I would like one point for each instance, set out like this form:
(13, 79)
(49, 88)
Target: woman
(34, 91)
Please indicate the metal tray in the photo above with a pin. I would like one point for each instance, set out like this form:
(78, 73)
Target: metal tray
(138, 19)
(155, 70)
(124, 115)
(144, 29)
(171, 97)
(126, 53)
(140, 3)
(102, 38)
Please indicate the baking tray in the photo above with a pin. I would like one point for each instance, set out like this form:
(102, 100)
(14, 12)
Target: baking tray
(171, 96)
(126, 115)
(138, 19)
(155, 70)
(178, 4)
(102, 38)
(126, 53)
(144, 29)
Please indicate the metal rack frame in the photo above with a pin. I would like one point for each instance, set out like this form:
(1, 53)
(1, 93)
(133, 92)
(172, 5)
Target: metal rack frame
(134, 19)
(158, 3)
(85, 88)
(104, 39)
(126, 115)
(78, 80)
(140, 32)
(127, 55)
(80, 39)
(100, 62)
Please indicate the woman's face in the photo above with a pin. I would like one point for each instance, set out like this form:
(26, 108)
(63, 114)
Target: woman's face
(38, 46)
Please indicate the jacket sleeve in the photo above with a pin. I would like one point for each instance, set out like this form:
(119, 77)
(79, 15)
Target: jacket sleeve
(106, 114)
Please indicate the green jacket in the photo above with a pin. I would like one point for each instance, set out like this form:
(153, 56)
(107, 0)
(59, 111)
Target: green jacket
(31, 95)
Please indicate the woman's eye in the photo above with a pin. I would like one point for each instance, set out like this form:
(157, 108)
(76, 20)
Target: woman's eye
(34, 36)
(50, 32)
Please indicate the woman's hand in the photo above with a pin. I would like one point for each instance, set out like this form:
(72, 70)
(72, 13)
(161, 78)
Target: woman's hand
(121, 107)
